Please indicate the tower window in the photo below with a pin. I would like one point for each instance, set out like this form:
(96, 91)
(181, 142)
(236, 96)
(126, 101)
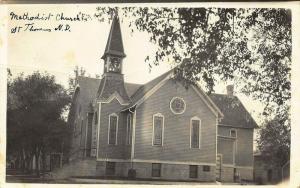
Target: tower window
(113, 129)
(113, 64)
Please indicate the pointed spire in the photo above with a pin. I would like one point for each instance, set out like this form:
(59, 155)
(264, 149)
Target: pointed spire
(114, 45)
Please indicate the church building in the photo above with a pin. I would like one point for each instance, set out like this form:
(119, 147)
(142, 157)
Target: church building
(157, 130)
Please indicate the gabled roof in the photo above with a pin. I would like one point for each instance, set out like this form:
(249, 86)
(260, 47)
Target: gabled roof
(235, 114)
(147, 87)
(88, 90)
(114, 45)
(143, 90)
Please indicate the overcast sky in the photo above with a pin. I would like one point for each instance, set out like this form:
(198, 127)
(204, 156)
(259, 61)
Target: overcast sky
(59, 52)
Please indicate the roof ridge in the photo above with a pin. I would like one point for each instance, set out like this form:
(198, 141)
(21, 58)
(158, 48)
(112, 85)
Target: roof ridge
(152, 81)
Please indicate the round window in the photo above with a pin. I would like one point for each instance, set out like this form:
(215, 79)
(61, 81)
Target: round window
(177, 105)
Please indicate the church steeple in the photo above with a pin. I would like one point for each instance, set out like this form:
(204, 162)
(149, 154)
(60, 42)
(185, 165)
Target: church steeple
(112, 81)
(114, 51)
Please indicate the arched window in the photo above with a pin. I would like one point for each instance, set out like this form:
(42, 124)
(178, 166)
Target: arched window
(158, 130)
(113, 129)
(195, 132)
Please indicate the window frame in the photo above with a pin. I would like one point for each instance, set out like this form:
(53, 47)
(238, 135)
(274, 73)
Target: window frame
(204, 168)
(96, 118)
(128, 132)
(231, 134)
(184, 108)
(191, 125)
(190, 170)
(116, 140)
(163, 128)
(235, 143)
(160, 170)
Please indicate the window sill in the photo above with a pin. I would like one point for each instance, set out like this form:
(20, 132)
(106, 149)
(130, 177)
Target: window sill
(157, 146)
(195, 148)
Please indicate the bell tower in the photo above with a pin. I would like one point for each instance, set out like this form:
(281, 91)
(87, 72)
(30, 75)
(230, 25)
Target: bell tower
(114, 51)
(112, 81)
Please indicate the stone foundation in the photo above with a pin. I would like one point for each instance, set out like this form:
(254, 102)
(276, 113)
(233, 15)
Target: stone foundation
(176, 172)
(168, 171)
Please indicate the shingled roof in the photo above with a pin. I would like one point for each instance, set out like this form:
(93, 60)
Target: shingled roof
(235, 114)
(89, 87)
(88, 90)
(114, 45)
(110, 85)
(146, 87)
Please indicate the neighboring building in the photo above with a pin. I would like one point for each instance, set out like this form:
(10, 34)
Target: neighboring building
(269, 174)
(235, 139)
(158, 130)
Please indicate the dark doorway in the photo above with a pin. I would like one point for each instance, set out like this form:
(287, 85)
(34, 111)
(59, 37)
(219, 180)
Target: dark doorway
(269, 175)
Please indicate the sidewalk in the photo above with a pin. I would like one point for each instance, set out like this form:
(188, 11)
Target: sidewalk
(154, 182)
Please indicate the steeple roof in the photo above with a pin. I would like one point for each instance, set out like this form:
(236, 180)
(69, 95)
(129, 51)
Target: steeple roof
(114, 45)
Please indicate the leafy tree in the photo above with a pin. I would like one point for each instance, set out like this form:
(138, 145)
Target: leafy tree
(274, 142)
(34, 123)
(251, 47)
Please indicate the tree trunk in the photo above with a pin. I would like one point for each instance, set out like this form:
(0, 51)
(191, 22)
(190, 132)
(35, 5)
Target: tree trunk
(19, 162)
(23, 162)
(28, 164)
(43, 161)
(37, 162)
